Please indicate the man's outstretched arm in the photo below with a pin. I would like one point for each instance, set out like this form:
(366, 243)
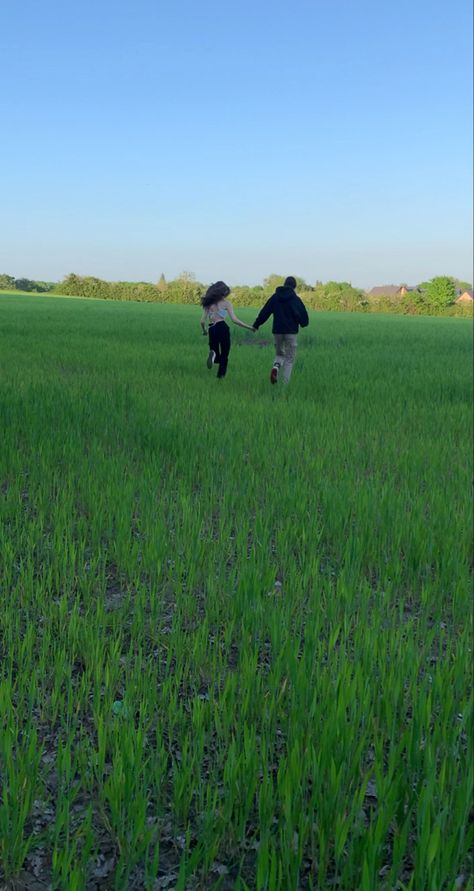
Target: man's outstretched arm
(264, 313)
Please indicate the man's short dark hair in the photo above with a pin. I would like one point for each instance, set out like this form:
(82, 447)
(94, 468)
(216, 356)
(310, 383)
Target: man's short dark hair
(290, 281)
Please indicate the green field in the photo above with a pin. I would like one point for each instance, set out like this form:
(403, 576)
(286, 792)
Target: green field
(235, 620)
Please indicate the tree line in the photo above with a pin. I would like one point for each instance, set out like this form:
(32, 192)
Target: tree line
(10, 283)
(435, 296)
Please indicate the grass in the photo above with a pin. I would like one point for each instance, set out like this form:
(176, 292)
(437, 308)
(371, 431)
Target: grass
(235, 638)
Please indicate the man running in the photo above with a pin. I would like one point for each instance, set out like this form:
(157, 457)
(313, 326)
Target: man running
(289, 313)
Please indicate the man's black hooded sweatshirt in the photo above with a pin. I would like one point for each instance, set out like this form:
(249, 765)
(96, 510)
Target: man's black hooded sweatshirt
(289, 312)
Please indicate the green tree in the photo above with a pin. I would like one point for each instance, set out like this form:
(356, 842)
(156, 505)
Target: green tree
(243, 295)
(184, 289)
(70, 285)
(274, 281)
(440, 292)
(25, 284)
(339, 295)
(271, 282)
(7, 282)
(187, 282)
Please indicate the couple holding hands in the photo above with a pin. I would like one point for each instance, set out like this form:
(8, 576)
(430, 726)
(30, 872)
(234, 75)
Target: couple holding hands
(289, 313)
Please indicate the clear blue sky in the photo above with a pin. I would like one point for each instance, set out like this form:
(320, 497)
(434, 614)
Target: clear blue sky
(236, 138)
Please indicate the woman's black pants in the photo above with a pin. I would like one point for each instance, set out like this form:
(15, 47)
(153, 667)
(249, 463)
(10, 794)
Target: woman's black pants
(219, 341)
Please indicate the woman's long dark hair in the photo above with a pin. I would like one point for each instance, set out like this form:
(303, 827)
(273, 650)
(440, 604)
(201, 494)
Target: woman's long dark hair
(214, 293)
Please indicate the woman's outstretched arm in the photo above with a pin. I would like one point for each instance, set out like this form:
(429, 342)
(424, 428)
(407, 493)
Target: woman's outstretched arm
(234, 318)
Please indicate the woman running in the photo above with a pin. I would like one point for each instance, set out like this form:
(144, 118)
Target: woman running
(216, 307)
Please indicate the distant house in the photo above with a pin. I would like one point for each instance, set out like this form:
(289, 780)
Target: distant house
(465, 297)
(384, 291)
(409, 289)
(393, 290)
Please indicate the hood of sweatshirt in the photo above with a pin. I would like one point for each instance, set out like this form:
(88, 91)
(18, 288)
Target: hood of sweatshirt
(284, 293)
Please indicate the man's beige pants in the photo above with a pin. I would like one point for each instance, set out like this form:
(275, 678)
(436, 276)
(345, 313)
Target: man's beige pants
(285, 347)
